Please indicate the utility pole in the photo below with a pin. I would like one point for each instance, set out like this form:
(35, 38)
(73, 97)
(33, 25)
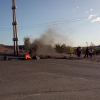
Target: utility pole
(87, 44)
(14, 23)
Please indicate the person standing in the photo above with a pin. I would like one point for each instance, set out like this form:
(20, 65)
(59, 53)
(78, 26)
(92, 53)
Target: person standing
(79, 50)
(90, 52)
(75, 52)
(86, 52)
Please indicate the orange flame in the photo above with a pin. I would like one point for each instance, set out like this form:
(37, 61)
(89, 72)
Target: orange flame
(27, 56)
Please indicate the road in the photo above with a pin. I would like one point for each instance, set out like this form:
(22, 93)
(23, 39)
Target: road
(55, 79)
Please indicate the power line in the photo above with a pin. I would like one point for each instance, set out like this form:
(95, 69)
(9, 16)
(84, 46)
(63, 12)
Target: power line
(57, 22)
(83, 44)
(89, 43)
(46, 24)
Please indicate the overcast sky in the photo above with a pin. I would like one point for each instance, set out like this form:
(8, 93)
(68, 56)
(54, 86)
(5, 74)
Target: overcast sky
(78, 20)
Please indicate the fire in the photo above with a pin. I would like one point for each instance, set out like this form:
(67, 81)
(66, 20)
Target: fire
(27, 56)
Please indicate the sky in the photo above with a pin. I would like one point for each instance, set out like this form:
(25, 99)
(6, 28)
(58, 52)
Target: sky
(78, 20)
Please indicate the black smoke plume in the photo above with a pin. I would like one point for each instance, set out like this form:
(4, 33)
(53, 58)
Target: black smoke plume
(45, 43)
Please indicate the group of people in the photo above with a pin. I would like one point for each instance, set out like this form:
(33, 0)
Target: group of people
(87, 52)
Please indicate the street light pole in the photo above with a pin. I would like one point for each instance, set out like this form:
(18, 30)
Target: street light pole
(14, 23)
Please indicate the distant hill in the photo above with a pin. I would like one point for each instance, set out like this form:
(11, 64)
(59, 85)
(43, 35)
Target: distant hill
(8, 49)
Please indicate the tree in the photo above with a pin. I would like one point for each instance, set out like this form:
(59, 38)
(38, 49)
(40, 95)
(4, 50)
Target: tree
(92, 46)
(69, 49)
(83, 50)
(58, 48)
(63, 48)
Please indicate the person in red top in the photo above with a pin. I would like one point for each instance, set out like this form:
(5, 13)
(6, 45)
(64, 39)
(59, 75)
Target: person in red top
(75, 52)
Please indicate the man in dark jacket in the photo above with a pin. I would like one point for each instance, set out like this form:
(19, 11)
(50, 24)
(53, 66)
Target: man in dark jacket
(86, 52)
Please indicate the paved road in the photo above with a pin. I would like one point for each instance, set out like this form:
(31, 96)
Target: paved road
(56, 79)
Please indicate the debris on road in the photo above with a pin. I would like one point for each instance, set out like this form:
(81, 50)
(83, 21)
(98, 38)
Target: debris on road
(5, 58)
